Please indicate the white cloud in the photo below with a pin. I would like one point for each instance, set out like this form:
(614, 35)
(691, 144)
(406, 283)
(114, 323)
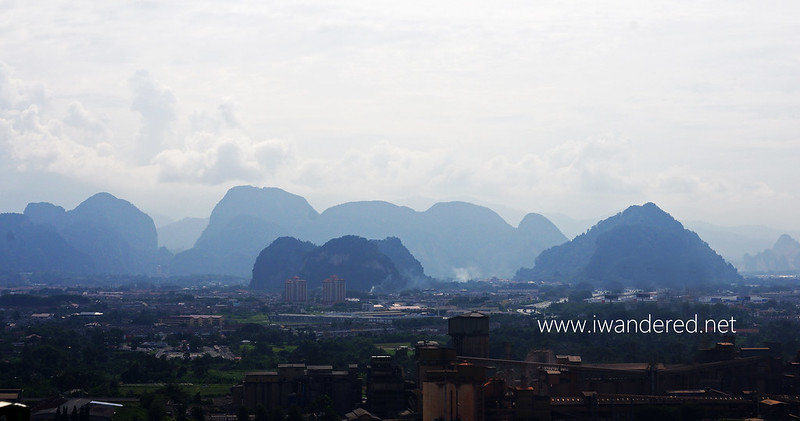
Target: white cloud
(219, 150)
(17, 95)
(88, 128)
(35, 145)
(379, 172)
(33, 142)
(227, 159)
(592, 169)
(365, 100)
(157, 106)
(79, 117)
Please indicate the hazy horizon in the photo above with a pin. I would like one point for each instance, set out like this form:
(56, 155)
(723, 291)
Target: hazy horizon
(570, 108)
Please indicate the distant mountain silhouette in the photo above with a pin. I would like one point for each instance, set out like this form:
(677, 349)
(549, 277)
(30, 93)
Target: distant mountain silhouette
(462, 240)
(371, 219)
(571, 227)
(454, 239)
(281, 260)
(642, 246)
(357, 260)
(27, 247)
(242, 224)
(407, 265)
(118, 237)
(733, 242)
(783, 257)
(361, 262)
(181, 235)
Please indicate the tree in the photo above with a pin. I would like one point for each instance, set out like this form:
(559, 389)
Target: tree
(195, 343)
(295, 414)
(323, 406)
(579, 295)
(135, 342)
(200, 366)
(277, 415)
(261, 413)
(61, 413)
(157, 409)
(329, 414)
(243, 414)
(197, 413)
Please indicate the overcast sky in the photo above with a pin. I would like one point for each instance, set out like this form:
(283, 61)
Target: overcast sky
(581, 108)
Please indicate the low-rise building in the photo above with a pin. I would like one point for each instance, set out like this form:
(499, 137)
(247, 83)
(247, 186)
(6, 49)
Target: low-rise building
(301, 385)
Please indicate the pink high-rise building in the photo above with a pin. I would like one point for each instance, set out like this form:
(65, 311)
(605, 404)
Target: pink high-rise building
(333, 290)
(295, 290)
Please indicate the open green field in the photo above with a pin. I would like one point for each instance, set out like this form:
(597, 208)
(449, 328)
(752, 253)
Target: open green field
(252, 318)
(234, 376)
(206, 390)
(287, 348)
(130, 411)
(390, 347)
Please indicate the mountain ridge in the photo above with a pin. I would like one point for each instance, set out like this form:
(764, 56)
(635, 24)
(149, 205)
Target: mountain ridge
(452, 240)
(117, 236)
(365, 264)
(487, 245)
(783, 257)
(642, 245)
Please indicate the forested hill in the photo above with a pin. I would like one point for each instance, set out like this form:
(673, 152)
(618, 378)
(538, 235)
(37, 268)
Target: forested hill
(103, 234)
(364, 264)
(451, 239)
(642, 246)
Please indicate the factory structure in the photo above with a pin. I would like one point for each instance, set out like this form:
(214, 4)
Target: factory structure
(462, 383)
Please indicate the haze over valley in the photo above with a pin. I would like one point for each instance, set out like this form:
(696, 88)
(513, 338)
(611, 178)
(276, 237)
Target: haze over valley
(449, 241)
(364, 210)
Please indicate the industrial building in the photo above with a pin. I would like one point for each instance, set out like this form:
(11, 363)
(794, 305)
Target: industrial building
(470, 333)
(462, 383)
(301, 385)
(387, 392)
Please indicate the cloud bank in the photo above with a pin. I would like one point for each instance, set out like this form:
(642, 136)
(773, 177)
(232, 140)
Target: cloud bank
(575, 108)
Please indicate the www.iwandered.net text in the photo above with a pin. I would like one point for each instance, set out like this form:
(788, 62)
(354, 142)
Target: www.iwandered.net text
(648, 324)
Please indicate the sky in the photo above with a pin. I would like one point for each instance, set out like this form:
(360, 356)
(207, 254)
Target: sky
(572, 107)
